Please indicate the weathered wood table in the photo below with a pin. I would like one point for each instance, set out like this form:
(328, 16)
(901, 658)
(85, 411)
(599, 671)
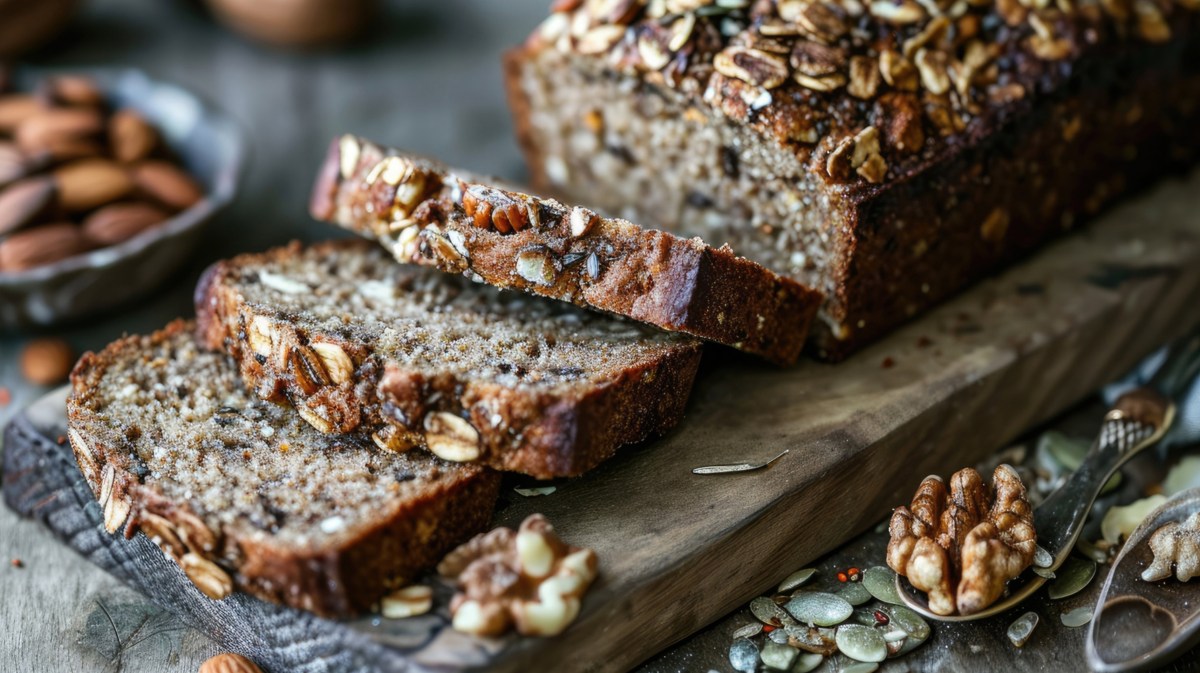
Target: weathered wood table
(426, 79)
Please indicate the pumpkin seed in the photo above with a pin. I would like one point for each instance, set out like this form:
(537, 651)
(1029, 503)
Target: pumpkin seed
(1044, 572)
(778, 636)
(860, 668)
(748, 631)
(796, 579)
(778, 656)
(880, 581)
(536, 491)
(736, 467)
(822, 609)
(862, 643)
(1073, 575)
(743, 655)
(908, 620)
(854, 593)
(895, 635)
(1066, 451)
(1042, 558)
(812, 639)
(1089, 549)
(1119, 522)
(807, 661)
(1077, 617)
(1020, 630)
(1185, 475)
(768, 612)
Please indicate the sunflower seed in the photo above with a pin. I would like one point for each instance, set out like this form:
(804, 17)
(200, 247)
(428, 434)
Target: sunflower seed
(743, 656)
(768, 612)
(1077, 617)
(796, 579)
(1073, 575)
(1020, 630)
(819, 608)
(854, 593)
(1042, 558)
(807, 661)
(778, 656)
(748, 631)
(908, 620)
(1044, 572)
(862, 643)
(592, 265)
(881, 582)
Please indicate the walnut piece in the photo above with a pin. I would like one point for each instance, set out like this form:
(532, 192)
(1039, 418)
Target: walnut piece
(528, 578)
(1175, 544)
(961, 547)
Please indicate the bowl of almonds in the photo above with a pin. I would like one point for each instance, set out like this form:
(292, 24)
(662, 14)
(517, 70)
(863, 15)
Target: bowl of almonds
(106, 182)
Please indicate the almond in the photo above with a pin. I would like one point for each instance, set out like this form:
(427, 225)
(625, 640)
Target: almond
(15, 108)
(167, 183)
(131, 136)
(91, 183)
(47, 361)
(119, 222)
(41, 245)
(13, 165)
(229, 663)
(60, 131)
(74, 90)
(23, 201)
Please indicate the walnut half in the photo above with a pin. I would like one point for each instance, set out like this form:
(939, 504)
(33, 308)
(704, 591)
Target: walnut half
(1176, 544)
(961, 547)
(527, 578)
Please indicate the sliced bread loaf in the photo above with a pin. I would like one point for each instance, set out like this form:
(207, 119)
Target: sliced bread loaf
(416, 357)
(426, 213)
(243, 494)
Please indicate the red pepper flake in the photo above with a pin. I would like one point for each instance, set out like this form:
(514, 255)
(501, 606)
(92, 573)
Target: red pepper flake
(5, 396)
(924, 342)
(61, 439)
(888, 362)
(881, 618)
(767, 628)
(842, 577)
(18, 563)
(855, 574)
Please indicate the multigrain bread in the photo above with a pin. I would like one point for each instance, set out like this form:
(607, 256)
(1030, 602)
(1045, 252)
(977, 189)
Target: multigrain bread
(426, 213)
(884, 153)
(419, 358)
(243, 494)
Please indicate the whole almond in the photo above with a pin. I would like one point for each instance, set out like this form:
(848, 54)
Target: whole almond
(41, 245)
(167, 184)
(74, 90)
(131, 136)
(52, 130)
(15, 108)
(91, 183)
(119, 222)
(47, 361)
(229, 663)
(23, 201)
(12, 164)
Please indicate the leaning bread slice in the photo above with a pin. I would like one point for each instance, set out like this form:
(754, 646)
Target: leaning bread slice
(426, 213)
(416, 357)
(243, 494)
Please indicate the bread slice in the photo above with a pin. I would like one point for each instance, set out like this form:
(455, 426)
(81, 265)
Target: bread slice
(426, 213)
(886, 154)
(242, 493)
(416, 357)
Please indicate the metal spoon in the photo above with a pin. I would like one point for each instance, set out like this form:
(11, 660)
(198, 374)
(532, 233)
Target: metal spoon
(1138, 419)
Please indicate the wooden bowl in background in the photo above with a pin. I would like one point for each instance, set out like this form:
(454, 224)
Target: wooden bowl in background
(295, 23)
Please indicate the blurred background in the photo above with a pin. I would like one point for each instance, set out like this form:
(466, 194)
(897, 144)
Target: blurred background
(424, 76)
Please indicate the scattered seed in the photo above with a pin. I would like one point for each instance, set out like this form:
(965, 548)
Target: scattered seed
(776, 655)
(1091, 550)
(860, 667)
(819, 608)
(854, 574)
(743, 655)
(1119, 522)
(748, 631)
(811, 639)
(1065, 451)
(592, 266)
(796, 579)
(1044, 572)
(1077, 617)
(535, 491)
(1020, 630)
(777, 636)
(736, 467)
(18, 563)
(881, 582)
(861, 643)
(1074, 574)
(1042, 558)
(894, 636)
(768, 612)
(881, 618)
(911, 623)
(854, 593)
(843, 577)
(807, 661)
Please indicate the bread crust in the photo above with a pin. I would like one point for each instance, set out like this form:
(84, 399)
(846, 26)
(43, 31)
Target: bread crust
(543, 433)
(655, 277)
(338, 580)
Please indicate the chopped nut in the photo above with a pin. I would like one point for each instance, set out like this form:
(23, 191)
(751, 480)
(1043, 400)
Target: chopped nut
(932, 66)
(653, 54)
(864, 77)
(582, 220)
(1151, 26)
(818, 20)
(995, 226)
(349, 151)
(229, 663)
(315, 419)
(961, 534)
(436, 245)
(451, 438)
(261, 335)
(817, 60)
(898, 71)
(1175, 544)
(407, 602)
(751, 65)
(536, 266)
(528, 578)
(504, 212)
(113, 503)
(337, 364)
(600, 39)
(306, 369)
(898, 13)
(209, 578)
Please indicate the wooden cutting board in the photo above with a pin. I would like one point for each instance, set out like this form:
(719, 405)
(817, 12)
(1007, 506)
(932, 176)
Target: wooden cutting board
(679, 550)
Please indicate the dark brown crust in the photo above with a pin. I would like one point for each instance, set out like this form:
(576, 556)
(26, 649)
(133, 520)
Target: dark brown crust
(674, 283)
(549, 434)
(409, 537)
(1078, 140)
